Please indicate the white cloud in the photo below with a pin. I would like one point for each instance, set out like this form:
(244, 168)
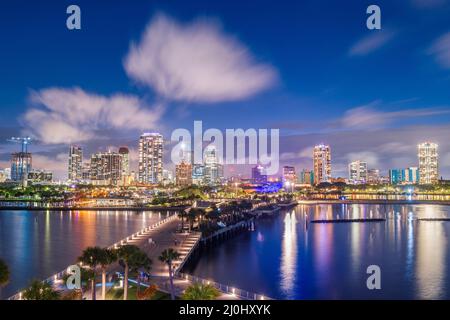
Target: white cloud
(367, 117)
(195, 62)
(440, 49)
(72, 115)
(370, 43)
(368, 156)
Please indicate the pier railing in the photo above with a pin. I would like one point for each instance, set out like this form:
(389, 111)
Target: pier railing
(59, 275)
(232, 291)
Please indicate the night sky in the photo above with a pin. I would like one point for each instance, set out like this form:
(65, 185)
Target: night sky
(310, 68)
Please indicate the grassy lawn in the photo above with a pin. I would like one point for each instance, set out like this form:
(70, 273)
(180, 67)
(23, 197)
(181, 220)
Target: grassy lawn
(117, 294)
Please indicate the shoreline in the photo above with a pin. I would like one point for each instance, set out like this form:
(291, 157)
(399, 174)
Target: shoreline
(17, 208)
(323, 201)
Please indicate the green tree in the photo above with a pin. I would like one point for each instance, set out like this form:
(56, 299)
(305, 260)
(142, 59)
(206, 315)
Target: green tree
(39, 290)
(92, 257)
(140, 262)
(168, 256)
(4, 275)
(126, 255)
(107, 258)
(198, 291)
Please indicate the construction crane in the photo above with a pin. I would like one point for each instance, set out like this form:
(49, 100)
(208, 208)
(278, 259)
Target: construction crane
(25, 141)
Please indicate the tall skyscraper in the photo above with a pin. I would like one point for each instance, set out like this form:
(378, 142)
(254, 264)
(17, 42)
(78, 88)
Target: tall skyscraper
(21, 164)
(213, 167)
(150, 158)
(106, 168)
(125, 153)
(428, 163)
(357, 172)
(322, 163)
(183, 174)
(75, 163)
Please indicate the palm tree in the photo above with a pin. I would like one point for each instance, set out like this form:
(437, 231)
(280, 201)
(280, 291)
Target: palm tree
(40, 291)
(92, 257)
(168, 256)
(4, 275)
(140, 262)
(198, 291)
(126, 255)
(107, 258)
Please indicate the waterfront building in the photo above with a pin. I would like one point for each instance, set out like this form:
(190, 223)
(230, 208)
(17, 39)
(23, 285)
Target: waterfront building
(21, 164)
(86, 171)
(183, 174)
(198, 174)
(167, 177)
(404, 176)
(428, 163)
(150, 158)
(40, 176)
(306, 177)
(289, 174)
(106, 168)
(75, 163)
(213, 168)
(357, 172)
(322, 163)
(258, 175)
(373, 176)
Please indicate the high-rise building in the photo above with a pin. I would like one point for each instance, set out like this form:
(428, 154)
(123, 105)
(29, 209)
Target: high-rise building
(357, 172)
(322, 163)
(125, 153)
(167, 177)
(306, 177)
(21, 164)
(198, 174)
(258, 175)
(75, 163)
(289, 174)
(150, 158)
(213, 168)
(106, 168)
(373, 176)
(428, 163)
(183, 174)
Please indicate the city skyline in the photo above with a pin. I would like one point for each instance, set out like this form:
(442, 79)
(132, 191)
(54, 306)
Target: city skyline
(322, 84)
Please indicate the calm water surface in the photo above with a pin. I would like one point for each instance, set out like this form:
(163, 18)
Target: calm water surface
(37, 244)
(288, 258)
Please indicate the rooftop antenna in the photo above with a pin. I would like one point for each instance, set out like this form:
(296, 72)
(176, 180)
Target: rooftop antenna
(24, 141)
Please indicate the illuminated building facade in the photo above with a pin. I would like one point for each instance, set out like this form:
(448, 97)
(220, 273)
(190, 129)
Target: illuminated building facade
(150, 158)
(21, 164)
(183, 174)
(357, 172)
(322, 163)
(75, 172)
(428, 163)
(106, 168)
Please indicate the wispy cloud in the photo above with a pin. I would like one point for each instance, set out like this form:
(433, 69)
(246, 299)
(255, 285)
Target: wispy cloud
(195, 62)
(62, 115)
(372, 42)
(368, 117)
(440, 49)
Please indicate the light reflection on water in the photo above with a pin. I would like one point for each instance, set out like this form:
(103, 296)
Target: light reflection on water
(37, 244)
(329, 261)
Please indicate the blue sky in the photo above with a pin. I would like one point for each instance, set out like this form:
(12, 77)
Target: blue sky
(310, 68)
